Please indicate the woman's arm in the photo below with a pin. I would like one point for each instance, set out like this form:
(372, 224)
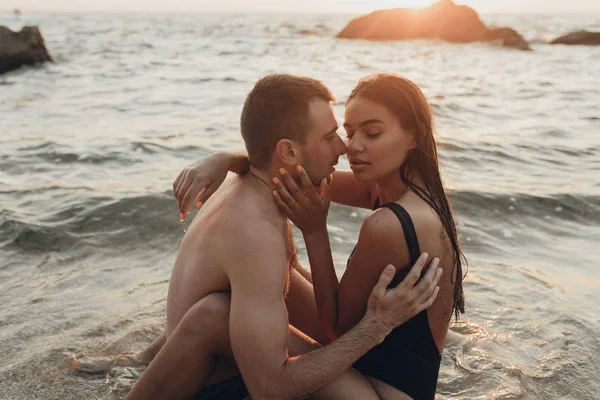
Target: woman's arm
(340, 305)
(308, 211)
(325, 281)
(346, 190)
(201, 179)
(380, 242)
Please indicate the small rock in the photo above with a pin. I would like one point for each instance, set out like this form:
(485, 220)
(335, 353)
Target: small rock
(579, 38)
(21, 48)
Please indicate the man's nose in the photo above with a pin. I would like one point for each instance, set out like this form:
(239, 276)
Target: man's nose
(341, 148)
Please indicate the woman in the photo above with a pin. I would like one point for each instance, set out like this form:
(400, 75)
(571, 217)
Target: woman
(394, 162)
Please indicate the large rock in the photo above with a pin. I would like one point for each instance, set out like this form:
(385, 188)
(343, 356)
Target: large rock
(21, 48)
(443, 20)
(581, 37)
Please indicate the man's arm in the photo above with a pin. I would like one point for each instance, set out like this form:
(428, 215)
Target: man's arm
(259, 325)
(259, 322)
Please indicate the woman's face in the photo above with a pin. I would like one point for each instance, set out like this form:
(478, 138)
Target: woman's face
(377, 143)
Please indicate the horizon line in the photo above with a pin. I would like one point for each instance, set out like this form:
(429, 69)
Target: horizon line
(254, 11)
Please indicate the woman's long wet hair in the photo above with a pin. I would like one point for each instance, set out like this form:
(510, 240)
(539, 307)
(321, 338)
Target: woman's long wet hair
(408, 103)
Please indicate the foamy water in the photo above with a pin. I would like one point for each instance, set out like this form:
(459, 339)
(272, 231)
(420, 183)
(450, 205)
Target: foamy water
(90, 145)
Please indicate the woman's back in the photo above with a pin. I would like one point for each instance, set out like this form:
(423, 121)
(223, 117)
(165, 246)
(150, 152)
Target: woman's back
(409, 358)
(433, 240)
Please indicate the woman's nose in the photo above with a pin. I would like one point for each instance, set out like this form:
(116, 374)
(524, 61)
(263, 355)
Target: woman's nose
(354, 145)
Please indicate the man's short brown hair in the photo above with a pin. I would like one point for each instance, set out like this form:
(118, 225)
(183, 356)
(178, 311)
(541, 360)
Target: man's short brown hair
(278, 108)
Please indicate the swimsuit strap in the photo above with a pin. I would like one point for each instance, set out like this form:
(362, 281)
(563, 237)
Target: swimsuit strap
(409, 230)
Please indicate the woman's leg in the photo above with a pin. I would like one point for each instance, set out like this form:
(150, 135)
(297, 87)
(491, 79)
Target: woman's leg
(197, 351)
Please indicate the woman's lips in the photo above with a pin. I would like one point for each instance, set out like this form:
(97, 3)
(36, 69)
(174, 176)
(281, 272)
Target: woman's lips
(358, 166)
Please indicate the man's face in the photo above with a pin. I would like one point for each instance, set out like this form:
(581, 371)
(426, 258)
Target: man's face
(323, 145)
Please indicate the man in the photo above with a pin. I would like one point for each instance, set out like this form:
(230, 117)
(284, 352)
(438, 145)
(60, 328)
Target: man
(234, 280)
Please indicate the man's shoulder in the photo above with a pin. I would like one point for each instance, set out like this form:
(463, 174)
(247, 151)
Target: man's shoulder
(246, 230)
(246, 221)
(255, 251)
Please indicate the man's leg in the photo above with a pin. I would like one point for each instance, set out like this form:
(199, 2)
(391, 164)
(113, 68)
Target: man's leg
(302, 310)
(103, 363)
(196, 353)
(201, 339)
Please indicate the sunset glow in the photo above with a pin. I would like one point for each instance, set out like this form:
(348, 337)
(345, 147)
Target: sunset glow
(350, 6)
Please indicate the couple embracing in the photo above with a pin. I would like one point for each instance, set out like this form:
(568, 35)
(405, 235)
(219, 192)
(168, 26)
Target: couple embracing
(246, 320)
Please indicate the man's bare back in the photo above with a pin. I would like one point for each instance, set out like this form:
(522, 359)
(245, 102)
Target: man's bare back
(204, 257)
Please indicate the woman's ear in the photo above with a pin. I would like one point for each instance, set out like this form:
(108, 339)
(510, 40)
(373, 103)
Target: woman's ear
(413, 142)
(287, 152)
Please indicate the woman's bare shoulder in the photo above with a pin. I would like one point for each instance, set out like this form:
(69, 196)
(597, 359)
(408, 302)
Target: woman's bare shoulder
(380, 235)
(423, 217)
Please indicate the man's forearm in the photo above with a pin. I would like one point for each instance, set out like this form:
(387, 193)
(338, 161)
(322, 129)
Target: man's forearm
(310, 372)
(238, 162)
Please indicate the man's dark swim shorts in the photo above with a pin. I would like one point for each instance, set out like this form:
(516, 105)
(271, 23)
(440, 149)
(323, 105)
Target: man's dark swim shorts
(231, 389)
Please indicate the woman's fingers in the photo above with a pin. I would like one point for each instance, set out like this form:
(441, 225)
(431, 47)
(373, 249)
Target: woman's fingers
(291, 184)
(307, 185)
(184, 187)
(282, 204)
(186, 203)
(285, 195)
(181, 178)
(325, 194)
(176, 183)
(206, 192)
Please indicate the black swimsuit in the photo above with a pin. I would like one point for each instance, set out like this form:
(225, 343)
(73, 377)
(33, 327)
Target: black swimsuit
(408, 359)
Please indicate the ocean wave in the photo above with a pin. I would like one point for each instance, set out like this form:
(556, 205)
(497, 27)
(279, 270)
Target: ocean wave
(121, 154)
(581, 208)
(102, 221)
(96, 222)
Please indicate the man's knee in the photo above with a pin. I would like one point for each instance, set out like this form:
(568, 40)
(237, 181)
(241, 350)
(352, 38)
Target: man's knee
(300, 343)
(208, 317)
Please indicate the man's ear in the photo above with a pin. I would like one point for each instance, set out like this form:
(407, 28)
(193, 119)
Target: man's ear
(287, 151)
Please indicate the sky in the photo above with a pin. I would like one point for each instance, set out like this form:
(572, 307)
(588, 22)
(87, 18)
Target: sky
(350, 6)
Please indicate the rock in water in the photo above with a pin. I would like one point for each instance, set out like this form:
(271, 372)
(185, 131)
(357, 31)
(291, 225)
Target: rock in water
(579, 38)
(443, 20)
(507, 37)
(21, 48)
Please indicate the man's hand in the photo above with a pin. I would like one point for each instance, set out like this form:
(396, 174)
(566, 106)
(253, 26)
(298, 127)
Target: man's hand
(199, 181)
(389, 308)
